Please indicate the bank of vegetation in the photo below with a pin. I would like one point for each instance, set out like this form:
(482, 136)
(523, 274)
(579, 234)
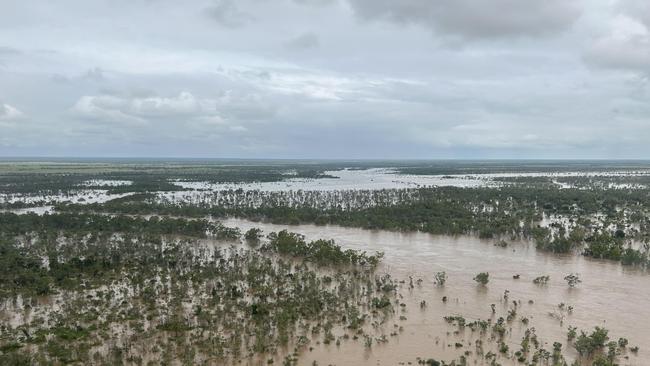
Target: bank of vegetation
(605, 224)
(114, 290)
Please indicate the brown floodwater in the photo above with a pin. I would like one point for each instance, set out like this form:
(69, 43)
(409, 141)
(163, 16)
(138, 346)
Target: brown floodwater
(610, 295)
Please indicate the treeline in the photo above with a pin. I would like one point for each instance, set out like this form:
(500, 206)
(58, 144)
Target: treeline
(52, 178)
(520, 166)
(591, 217)
(444, 210)
(430, 217)
(602, 244)
(321, 252)
(12, 225)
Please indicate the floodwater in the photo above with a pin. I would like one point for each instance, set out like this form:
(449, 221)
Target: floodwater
(386, 178)
(107, 182)
(39, 210)
(611, 296)
(348, 179)
(81, 196)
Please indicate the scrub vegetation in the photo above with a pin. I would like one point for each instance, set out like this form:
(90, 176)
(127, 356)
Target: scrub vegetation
(163, 291)
(148, 274)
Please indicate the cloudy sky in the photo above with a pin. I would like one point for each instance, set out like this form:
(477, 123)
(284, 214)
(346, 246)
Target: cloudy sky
(326, 78)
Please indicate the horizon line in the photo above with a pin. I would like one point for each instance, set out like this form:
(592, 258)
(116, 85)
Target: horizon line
(59, 157)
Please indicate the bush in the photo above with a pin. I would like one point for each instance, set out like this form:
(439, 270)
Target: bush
(322, 252)
(483, 278)
(541, 280)
(253, 235)
(586, 345)
(440, 278)
(572, 279)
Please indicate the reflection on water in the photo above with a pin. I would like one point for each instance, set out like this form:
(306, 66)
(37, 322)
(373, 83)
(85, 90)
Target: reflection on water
(610, 295)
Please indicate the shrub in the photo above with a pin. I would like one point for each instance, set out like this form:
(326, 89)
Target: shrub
(541, 280)
(482, 278)
(573, 279)
(588, 344)
(440, 278)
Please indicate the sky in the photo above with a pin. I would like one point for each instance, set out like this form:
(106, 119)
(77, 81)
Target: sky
(430, 79)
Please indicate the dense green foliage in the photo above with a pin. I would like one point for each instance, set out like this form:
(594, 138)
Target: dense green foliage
(95, 254)
(322, 252)
(12, 225)
(482, 278)
(25, 177)
(588, 344)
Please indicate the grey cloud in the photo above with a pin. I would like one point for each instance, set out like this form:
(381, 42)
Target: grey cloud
(316, 2)
(627, 45)
(9, 51)
(6, 52)
(304, 41)
(227, 14)
(637, 9)
(350, 88)
(475, 19)
(94, 74)
(245, 108)
(59, 79)
(631, 53)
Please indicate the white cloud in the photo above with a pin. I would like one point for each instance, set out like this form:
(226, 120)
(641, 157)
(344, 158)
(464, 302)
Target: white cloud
(182, 104)
(105, 109)
(117, 108)
(182, 107)
(9, 113)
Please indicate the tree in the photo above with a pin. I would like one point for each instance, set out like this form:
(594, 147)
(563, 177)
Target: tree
(541, 280)
(440, 278)
(573, 279)
(588, 344)
(483, 278)
(253, 235)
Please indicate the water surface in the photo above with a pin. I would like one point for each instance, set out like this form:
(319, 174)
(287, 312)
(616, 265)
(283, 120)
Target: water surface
(610, 295)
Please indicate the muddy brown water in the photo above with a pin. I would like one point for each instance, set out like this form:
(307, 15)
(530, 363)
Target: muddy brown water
(610, 295)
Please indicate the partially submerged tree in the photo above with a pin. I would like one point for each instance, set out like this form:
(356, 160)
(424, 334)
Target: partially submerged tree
(482, 278)
(440, 278)
(541, 280)
(253, 236)
(573, 279)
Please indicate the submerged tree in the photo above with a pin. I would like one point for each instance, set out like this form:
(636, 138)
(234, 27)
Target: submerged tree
(573, 279)
(541, 280)
(253, 236)
(482, 278)
(440, 278)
